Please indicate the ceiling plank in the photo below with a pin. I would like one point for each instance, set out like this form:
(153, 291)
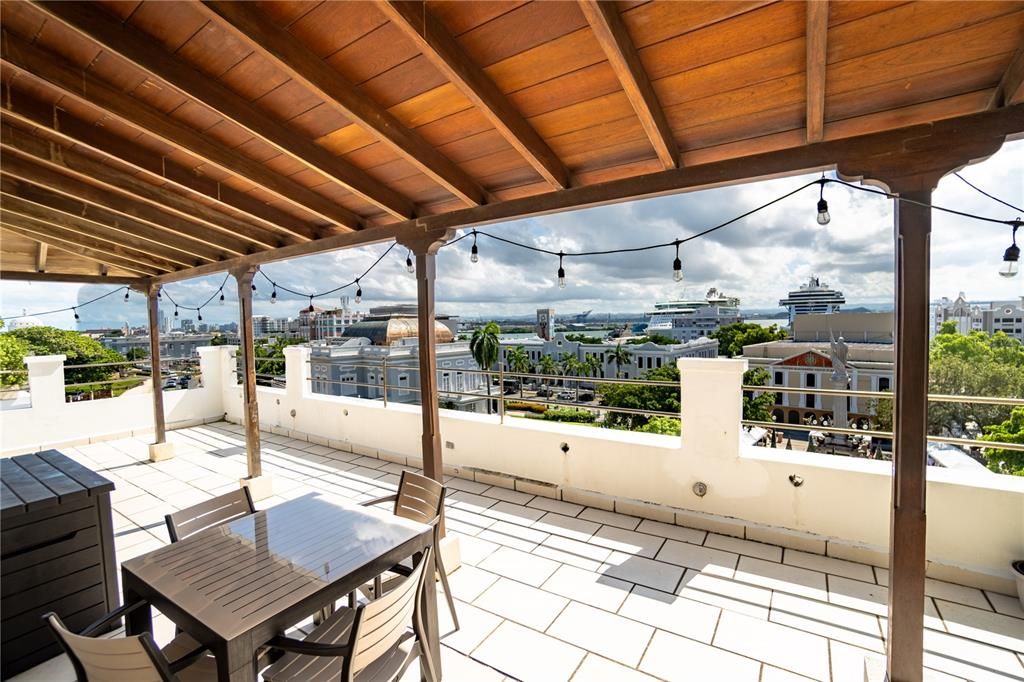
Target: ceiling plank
(62, 126)
(78, 247)
(68, 278)
(441, 49)
(817, 52)
(137, 47)
(46, 229)
(69, 161)
(305, 67)
(23, 169)
(614, 38)
(41, 257)
(1011, 85)
(58, 74)
(49, 206)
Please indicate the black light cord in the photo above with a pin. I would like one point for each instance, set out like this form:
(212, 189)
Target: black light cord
(69, 308)
(983, 192)
(335, 289)
(219, 292)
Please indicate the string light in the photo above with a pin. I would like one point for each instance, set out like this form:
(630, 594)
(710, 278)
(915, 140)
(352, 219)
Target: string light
(677, 266)
(77, 318)
(126, 290)
(273, 295)
(474, 253)
(310, 309)
(199, 313)
(222, 297)
(175, 310)
(359, 291)
(823, 217)
(1011, 257)
(561, 271)
(408, 263)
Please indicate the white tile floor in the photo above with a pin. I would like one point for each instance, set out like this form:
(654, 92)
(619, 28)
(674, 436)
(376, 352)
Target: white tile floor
(550, 590)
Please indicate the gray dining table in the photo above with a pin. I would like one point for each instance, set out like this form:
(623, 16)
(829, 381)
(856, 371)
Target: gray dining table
(235, 586)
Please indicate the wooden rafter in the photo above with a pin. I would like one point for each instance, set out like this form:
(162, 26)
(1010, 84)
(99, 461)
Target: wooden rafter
(817, 52)
(136, 47)
(1011, 85)
(52, 207)
(41, 257)
(68, 161)
(61, 126)
(305, 67)
(441, 49)
(69, 278)
(79, 248)
(41, 176)
(71, 82)
(611, 33)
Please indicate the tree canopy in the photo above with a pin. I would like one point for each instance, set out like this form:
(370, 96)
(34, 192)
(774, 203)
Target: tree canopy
(659, 339)
(79, 350)
(732, 337)
(1009, 431)
(655, 398)
(757, 408)
(12, 358)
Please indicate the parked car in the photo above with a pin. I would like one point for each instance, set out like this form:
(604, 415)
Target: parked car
(567, 395)
(170, 382)
(543, 392)
(184, 380)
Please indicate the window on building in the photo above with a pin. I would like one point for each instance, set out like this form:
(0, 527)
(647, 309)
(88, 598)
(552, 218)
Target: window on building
(778, 378)
(811, 379)
(809, 401)
(884, 383)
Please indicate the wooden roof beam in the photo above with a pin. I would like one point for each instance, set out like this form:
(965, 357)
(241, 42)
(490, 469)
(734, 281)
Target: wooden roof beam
(614, 38)
(137, 47)
(30, 172)
(306, 67)
(77, 248)
(58, 124)
(817, 53)
(68, 161)
(441, 49)
(41, 257)
(1011, 85)
(49, 206)
(69, 278)
(81, 86)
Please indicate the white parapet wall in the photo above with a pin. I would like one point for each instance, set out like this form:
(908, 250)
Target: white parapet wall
(814, 502)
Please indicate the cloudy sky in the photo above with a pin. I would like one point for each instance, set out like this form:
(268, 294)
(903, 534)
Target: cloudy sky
(758, 259)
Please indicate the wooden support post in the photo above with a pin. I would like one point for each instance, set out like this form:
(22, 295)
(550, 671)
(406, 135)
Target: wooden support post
(258, 486)
(907, 555)
(159, 449)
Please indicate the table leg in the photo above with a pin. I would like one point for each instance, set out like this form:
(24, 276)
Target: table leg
(432, 632)
(235, 663)
(141, 619)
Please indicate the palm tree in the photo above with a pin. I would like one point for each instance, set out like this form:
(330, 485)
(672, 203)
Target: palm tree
(485, 349)
(548, 366)
(620, 356)
(593, 365)
(519, 362)
(571, 366)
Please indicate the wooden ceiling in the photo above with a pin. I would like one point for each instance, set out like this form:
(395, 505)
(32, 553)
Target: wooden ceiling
(162, 139)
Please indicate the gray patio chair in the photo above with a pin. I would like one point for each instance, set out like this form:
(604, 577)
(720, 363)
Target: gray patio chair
(213, 512)
(131, 659)
(419, 499)
(370, 643)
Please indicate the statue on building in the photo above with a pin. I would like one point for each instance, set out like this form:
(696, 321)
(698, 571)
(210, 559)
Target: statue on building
(840, 352)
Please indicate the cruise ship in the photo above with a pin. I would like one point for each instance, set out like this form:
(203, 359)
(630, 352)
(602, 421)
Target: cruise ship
(812, 297)
(689, 319)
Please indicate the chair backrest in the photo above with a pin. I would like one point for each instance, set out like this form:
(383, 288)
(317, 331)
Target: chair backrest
(121, 659)
(419, 498)
(223, 508)
(381, 623)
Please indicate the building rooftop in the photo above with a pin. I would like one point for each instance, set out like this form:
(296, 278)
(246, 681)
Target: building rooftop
(384, 332)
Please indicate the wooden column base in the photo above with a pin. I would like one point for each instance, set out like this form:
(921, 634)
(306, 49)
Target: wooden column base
(260, 487)
(158, 452)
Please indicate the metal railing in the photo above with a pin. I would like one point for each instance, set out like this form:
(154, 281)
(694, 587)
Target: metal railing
(174, 373)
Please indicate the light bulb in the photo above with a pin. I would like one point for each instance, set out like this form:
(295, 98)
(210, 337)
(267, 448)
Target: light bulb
(77, 318)
(474, 255)
(1010, 269)
(359, 292)
(677, 270)
(273, 296)
(222, 298)
(823, 217)
(126, 296)
(1011, 257)
(175, 311)
(200, 315)
(254, 287)
(408, 264)
(310, 309)
(561, 278)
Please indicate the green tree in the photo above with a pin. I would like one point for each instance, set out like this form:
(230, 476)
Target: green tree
(666, 426)
(732, 337)
(136, 354)
(78, 349)
(757, 408)
(659, 339)
(485, 349)
(583, 338)
(1009, 431)
(570, 365)
(620, 355)
(12, 359)
(641, 397)
(592, 365)
(219, 340)
(548, 367)
(519, 362)
(270, 356)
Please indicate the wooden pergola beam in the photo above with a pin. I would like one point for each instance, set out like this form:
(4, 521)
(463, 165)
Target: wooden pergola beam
(614, 38)
(817, 53)
(77, 249)
(14, 276)
(875, 148)
(137, 47)
(41, 257)
(71, 82)
(436, 43)
(306, 67)
(27, 171)
(59, 125)
(1011, 86)
(130, 252)
(68, 161)
(50, 207)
